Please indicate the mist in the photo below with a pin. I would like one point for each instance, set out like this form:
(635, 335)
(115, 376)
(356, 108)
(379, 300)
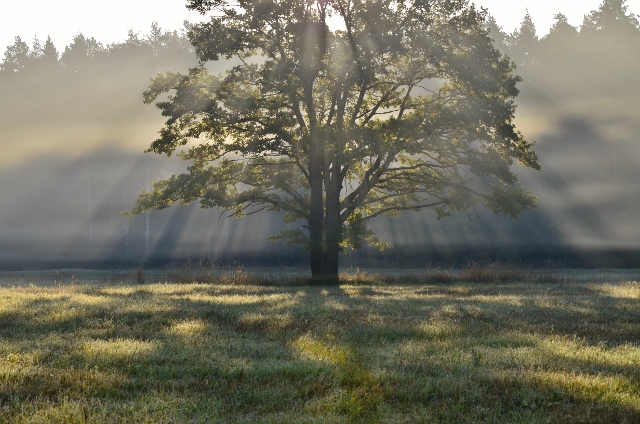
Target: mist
(74, 131)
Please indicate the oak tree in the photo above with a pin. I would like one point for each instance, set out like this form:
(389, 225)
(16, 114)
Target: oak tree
(336, 112)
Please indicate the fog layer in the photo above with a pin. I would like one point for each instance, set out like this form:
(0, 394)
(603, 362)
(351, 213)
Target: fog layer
(74, 128)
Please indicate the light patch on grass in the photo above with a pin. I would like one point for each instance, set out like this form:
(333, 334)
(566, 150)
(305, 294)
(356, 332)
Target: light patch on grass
(120, 290)
(133, 307)
(91, 300)
(624, 290)
(284, 301)
(64, 314)
(311, 348)
(600, 357)
(120, 349)
(605, 389)
(239, 299)
(188, 328)
(438, 330)
(12, 360)
(501, 300)
(352, 291)
(336, 305)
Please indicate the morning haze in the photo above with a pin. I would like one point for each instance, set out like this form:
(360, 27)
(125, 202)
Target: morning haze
(74, 129)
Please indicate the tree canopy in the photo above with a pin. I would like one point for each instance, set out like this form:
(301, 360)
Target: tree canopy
(336, 112)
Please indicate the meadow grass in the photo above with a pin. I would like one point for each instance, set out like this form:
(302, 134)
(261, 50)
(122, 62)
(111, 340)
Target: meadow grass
(372, 349)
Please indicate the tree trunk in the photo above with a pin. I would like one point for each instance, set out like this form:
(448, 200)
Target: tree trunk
(331, 259)
(316, 215)
(316, 231)
(333, 227)
(325, 227)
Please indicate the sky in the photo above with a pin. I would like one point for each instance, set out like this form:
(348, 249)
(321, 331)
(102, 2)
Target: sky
(110, 21)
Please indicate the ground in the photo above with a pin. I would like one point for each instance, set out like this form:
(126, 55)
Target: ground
(86, 346)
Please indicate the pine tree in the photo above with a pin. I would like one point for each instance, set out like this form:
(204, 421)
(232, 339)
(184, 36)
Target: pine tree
(16, 57)
(523, 43)
(610, 23)
(50, 56)
(561, 44)
(498, 36)
(75, 55)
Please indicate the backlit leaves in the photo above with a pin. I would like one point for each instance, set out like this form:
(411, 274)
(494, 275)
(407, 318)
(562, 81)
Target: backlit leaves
(405, 106)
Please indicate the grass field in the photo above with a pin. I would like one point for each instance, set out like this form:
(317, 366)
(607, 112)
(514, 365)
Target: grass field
(75, 349)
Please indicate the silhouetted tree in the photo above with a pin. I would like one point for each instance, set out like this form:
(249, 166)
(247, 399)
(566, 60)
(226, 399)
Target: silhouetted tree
(36, 49)
(561, 45)
(77, 54)
(523, 43)
(16, 57)
(49, 56)
(497, 34)
(167, 42)
(610, 20)
(562, 28)
(407, 106)
(19, 57)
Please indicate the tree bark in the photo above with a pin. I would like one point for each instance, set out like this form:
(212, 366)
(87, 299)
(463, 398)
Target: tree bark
(316, 212)
(325, 225)
(333, 225)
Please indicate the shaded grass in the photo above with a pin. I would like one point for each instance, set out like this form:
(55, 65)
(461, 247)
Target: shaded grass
(471, 272)
(368, 350)
(477, 272)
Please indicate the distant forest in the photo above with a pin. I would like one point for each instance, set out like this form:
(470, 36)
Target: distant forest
(73, 129)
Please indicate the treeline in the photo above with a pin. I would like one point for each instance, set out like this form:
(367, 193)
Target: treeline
(84, 52)
(610, 26)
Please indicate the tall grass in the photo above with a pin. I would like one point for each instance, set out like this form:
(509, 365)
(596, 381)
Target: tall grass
(477, 272)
